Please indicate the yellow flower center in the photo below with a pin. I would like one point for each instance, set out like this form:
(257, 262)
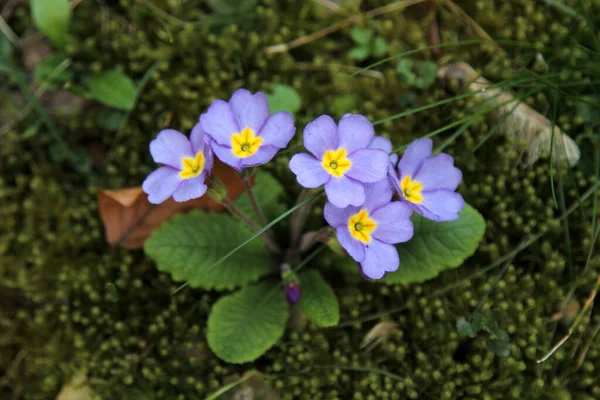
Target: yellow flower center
(245, 143)
(411, 190)
(335, 162)
(192, 166)
(361, 226)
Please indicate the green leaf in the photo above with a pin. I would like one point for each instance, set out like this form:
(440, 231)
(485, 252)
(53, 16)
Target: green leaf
(53, 71)
(52, 18)
(380, 46)
(114, 89)
(361, 35)
(242, 326)
(284, 98)
(427, 72)
(267, 191)
(499, 344)
(359, 53)
(188, 245)
(494, 320)
(469, 326)
(317, 300)
(420, 74)
(465, 328)
(437, 246)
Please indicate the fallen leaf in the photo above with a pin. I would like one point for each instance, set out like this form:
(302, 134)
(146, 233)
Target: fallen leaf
(129, 219)
(77, 389)
(378, 334)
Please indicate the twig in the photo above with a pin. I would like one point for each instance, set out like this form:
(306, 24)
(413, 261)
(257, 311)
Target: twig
(580, 316)
(298, 219)
(434, 27)
(330, 5)
(587, 346)
(476, 27)
(284, 47)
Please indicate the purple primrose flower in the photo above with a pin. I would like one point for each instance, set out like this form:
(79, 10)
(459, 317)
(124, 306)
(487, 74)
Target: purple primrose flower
(369, 232)
(428, 183)
(341, 159)
(186, 163)
(243, 133)
(385, 144)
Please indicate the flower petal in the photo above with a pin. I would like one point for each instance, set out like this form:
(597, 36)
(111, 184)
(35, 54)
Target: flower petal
(278, 130)
(209, 160)
(225, 154)
(355, 248)
(197, 138)
(414, 155)
(161, 184)
(342, 192)
(443, 204)
(379, 259)
(219, 122)
(439, 172)
(378, 194)
(381, 143)
(338, 217)
(368, 165)
(393, 223)
(190, 189)
(262, 156)
(320, 135)
(169, 147)
(251, 110)
(309, 171)
(355, 132)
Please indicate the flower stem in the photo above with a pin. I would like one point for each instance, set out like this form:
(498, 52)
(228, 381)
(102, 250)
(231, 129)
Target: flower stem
(258, 211)
(267, 239)
(298, 219)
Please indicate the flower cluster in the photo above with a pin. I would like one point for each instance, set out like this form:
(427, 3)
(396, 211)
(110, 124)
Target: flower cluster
(356, 168)
(241, 133)
(360, 175)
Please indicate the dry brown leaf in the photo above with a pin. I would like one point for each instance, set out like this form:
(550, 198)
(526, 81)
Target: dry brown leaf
(129, 219)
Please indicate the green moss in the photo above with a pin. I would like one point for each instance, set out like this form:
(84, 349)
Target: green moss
(60, 320)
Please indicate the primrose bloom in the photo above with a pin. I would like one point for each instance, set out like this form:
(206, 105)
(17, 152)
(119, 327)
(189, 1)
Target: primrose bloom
(385, 144)
(243, 133)
(186, 163)
(341, 159)
(428, 183)
(369, 232)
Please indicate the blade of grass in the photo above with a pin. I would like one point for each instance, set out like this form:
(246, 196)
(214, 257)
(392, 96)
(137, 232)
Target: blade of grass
(228, 387)
(469, 118)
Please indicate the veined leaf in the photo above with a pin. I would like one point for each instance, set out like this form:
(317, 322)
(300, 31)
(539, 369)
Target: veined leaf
(188, 245)
(114, 89)
(242, 326)
(437, 246)
(317, 300)
(52, 18)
